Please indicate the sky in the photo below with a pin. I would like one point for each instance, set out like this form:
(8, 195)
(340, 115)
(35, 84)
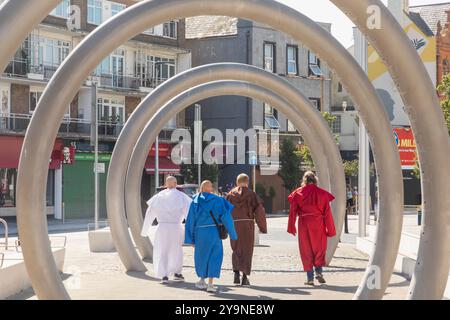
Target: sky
(325, 11)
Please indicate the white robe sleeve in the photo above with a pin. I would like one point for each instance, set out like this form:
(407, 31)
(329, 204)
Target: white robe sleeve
(186, 204)
(150, 216)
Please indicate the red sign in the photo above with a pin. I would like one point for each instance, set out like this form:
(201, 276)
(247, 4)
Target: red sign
(164, 150)
(406, 144)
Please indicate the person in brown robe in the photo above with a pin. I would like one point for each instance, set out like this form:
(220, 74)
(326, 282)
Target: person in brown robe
(248, 209)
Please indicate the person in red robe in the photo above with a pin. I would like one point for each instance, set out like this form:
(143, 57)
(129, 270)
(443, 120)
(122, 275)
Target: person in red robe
(311, 205)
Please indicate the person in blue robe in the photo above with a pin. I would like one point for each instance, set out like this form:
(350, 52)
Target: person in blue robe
(202, 232)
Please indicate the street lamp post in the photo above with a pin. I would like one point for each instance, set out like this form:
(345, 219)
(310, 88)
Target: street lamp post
(364, 146)
(94, 143)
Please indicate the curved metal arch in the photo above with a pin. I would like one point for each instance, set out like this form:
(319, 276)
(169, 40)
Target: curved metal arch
(144, 14)
(332, 175)
(433, 143)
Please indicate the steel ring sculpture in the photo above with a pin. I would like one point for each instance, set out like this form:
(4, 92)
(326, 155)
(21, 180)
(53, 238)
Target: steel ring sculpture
(412, 80)
(325, 152)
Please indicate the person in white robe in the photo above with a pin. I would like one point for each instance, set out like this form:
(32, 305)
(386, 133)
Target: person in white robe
(170, 208)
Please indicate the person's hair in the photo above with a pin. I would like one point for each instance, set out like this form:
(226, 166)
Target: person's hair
(309, 178)
(204, 184)
(242, 178)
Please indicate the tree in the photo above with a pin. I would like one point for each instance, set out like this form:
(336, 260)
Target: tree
(290, 163)
(351, 168)
(444, 91)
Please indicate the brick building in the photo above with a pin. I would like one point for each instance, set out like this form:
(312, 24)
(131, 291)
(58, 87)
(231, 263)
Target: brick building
(123, 78)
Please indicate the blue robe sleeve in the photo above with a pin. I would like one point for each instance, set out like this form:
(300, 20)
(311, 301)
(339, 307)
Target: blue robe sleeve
(227, 219)
(189, 237)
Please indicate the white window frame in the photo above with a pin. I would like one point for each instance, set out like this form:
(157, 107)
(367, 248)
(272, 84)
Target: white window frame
(38, 91)
(119, 7)
(314, 65)
(270, 119)
(110, 103)
(62, 10)
(293, 61)
(95, 5)
(336, 125)
(269, 59)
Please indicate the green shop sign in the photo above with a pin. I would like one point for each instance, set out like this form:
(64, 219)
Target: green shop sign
(106, 157)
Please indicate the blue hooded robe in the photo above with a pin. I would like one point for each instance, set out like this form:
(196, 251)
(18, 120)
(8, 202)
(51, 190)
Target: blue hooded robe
(204, 235)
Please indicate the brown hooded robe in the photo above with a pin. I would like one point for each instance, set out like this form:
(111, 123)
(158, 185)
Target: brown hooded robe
(248, 209)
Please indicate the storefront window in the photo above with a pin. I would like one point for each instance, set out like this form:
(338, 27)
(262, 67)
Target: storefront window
(8, 179)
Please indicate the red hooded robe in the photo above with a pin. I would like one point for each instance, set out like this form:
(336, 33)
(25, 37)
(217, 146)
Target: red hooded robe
(311, 205)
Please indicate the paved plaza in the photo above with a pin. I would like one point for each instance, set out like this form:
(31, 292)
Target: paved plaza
(277, 274)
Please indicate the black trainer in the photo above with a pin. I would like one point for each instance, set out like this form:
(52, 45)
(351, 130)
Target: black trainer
(320, 278)
(178, 277)
(237, 277)
(245, 281)
(165, 280)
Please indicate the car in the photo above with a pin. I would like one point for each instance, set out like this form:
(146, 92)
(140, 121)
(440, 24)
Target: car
(190, 189)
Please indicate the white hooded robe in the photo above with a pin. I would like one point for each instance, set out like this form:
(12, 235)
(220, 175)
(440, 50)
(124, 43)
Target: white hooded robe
(170, 207)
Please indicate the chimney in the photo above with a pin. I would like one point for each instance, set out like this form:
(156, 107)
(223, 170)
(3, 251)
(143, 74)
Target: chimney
(399, 8)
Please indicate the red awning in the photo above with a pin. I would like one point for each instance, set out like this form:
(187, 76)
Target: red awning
(166, 166)
(11, 146)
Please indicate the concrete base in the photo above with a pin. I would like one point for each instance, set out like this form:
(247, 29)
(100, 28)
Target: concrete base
(101, 241)
(407, 256)
(14, 276)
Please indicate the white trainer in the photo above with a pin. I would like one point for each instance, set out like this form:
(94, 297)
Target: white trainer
(201, 285)
(211, 288)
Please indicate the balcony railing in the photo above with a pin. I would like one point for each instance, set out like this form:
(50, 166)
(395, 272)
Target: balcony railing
(70, 127)
(21, 68)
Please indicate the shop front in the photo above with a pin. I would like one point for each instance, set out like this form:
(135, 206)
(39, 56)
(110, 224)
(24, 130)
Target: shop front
(10, 148)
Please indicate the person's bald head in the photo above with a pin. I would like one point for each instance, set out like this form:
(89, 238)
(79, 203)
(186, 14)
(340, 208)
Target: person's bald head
(206, 186)
(171, 182)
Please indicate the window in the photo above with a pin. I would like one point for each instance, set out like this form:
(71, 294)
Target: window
(292, 60)
(290, 126)
(269, 56)
(151, 70)
(167, 29)
(336, 125)
(8, 181)
(111, 110)
(170, 29)
(47, 52)
(94, 15)
(35, 96)
(62, 10)
(339, 88)
(116, 8)
(111, 70)
(314, 65)
(316, 103)
(270, 117)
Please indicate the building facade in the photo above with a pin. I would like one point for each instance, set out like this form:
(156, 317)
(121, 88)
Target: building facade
(123, 79)
(213, 39)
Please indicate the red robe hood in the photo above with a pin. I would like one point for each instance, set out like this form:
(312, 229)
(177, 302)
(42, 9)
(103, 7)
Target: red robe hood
(311, 194)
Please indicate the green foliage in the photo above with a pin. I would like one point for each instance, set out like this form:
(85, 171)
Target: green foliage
(272, 192)
(290, 163)
(260, 190)
(351, 168)
(444, 90)
(305, 152)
